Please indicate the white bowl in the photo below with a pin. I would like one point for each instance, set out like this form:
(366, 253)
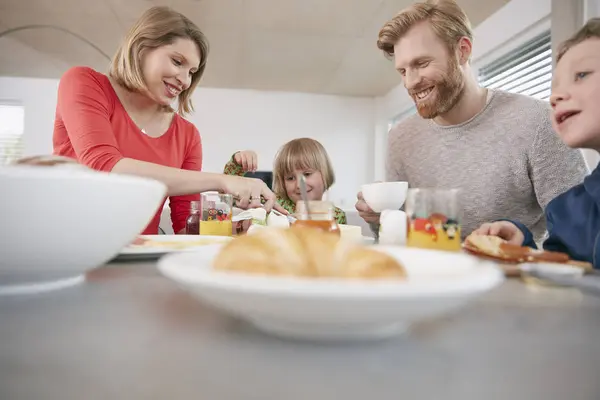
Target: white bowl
(385, 195)
(438, 283)
(56, 223)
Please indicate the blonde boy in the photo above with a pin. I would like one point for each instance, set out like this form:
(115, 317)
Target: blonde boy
(572, 218)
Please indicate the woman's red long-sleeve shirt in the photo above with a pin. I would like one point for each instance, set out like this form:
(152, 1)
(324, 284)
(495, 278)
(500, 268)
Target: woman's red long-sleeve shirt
(92, 126)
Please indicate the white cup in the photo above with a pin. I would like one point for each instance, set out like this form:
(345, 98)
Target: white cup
(381, 196)
(393, 227)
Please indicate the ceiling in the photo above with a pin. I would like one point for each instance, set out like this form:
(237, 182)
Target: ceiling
(314, 46)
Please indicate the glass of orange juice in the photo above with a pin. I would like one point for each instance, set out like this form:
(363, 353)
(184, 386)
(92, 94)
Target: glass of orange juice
(434, 219)
(217, 211)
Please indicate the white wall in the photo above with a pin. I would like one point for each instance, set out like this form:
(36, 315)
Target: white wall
(38, 96)
(386, 108)
(591, 8)
(512, 25)
(231, 120)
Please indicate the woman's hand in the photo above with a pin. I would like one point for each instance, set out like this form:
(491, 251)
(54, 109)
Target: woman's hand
(248, 191)
(503, 229)
(247, 159)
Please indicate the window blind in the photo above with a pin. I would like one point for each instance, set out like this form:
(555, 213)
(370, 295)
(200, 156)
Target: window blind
(12, 121)
(526, 70)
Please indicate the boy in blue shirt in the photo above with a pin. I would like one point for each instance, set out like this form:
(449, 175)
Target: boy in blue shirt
(573, 218)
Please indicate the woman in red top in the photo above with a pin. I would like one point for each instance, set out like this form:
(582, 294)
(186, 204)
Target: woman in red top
(124, 122)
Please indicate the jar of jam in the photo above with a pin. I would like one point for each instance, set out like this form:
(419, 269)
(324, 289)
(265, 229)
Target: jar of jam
(192, 223)
(322, 216)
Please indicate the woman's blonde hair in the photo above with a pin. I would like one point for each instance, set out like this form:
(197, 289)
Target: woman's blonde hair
(303, 153)
(157, 27)
(447, 19)
(590, 30)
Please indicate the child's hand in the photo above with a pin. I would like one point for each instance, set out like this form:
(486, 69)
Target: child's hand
(247, 159)
(503, 229)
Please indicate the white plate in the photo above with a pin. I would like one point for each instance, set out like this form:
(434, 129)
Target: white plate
(438, 283)
(563, 270)
(169, 244)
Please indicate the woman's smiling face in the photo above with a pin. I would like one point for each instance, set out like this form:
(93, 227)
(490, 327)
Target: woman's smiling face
(168, 70)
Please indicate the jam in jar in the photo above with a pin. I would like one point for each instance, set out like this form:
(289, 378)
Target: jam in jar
(322, 216)
(192, 223)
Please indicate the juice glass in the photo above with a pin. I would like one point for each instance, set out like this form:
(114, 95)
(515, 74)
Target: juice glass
(217, 211)
(434, 219)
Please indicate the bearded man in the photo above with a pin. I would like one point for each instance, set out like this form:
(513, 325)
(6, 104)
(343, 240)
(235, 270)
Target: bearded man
(499, 148)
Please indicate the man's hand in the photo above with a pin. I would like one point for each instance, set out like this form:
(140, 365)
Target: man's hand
(365, 211)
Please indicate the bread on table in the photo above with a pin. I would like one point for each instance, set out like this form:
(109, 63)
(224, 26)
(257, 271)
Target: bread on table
(305, 252)
(498, 248)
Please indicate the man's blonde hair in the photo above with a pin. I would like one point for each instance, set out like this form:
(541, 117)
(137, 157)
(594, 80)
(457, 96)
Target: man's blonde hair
(303, 153)
(157, 27)
(447, 19)
(590, 30)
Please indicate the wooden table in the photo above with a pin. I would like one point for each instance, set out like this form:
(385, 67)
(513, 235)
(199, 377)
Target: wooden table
(128, 333)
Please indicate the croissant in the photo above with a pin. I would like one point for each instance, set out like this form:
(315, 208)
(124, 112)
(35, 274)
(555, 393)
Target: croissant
(305, 252)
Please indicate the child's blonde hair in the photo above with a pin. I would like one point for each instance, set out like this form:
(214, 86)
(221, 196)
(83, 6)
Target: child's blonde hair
(303, 153)
(590, 30)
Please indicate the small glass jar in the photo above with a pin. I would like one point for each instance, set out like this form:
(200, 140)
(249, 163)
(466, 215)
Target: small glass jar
(322, 216)
(192, 223)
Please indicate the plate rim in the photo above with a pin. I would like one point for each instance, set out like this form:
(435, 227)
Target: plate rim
(141, 251)
(487, 276)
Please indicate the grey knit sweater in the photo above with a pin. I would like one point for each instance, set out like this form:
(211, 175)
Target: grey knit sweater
(507, 160)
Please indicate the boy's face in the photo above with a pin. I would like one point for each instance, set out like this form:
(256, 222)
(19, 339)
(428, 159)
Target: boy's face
(576, 95)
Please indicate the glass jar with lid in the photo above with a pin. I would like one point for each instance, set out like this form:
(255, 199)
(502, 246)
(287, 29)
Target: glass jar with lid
(192, 223)
(320, 215)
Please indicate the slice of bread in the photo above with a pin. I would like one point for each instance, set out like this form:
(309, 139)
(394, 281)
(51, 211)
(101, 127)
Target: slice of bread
(493, 246)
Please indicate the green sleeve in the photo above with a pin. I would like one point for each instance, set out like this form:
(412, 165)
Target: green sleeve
(233, 168)
(287, 204)
(340, 216)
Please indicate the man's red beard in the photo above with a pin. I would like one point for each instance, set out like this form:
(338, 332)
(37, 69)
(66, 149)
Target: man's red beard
(447, 91)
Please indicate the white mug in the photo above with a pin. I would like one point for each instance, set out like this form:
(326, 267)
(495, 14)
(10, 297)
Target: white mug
(393, 227)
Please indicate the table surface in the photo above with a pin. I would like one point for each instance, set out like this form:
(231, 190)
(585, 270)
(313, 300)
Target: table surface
(129, 333)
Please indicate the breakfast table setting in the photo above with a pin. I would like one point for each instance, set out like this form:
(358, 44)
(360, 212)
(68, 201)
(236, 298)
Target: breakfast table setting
(260, 305)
